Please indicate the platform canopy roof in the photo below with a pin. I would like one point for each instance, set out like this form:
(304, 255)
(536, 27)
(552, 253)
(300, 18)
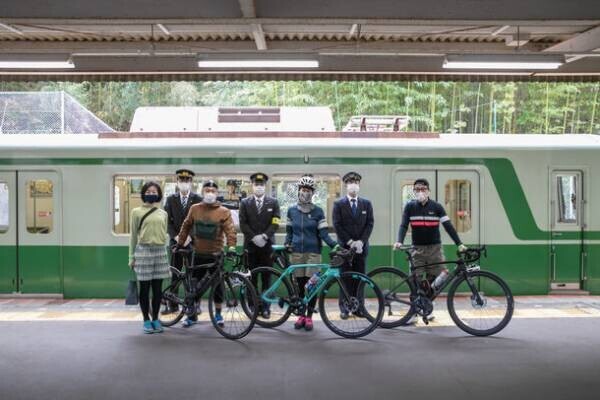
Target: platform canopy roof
(349, 39)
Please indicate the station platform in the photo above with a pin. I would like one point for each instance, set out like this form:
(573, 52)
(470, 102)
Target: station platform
(94, 349)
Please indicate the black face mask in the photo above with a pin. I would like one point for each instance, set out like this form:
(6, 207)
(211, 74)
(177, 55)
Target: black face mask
(151, 198)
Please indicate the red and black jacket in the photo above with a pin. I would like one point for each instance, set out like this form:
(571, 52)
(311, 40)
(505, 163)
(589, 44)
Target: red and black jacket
(424, 220)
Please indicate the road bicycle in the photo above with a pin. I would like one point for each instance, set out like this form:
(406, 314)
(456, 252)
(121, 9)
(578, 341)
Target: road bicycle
(479, 302)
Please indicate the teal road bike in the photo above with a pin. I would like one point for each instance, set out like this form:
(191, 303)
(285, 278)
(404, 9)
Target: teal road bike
(349, 303)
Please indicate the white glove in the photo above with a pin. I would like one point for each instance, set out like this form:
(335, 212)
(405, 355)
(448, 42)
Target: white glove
(397, 245)
(187, 241)
(462, 248)
(176, 239)
(357, 245)
(259, 240)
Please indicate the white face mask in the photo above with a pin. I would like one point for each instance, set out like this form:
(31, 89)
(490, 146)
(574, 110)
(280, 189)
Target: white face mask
(210, 198)
(422, 196)
(184, 186)
(352, 189)
(259, 190)
(305, 197)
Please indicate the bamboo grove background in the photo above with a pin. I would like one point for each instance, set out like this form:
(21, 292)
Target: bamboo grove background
(459, 107)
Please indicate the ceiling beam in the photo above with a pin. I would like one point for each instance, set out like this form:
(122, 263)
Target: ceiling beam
(248, 8)
(299, 46)
(259, 37)
(586, 41)
(585, 23)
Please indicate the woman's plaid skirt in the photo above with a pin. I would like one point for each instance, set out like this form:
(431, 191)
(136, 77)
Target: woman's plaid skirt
(151, 262)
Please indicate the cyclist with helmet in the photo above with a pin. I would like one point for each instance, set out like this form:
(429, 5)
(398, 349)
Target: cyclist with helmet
(424, 217)
(306, 228)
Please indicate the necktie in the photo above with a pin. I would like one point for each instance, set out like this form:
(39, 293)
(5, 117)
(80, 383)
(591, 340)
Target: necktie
(183, 201)
(354, 208)
(259, 205)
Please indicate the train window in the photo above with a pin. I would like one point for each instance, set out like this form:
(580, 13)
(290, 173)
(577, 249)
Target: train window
(4, 207)
(566, 186)
(127, 194)
(286, 191)
(40, 206)
(458, 203)
(407, 191)
(232, 189)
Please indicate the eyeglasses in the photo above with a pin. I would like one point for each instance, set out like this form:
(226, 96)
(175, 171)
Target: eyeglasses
(420, 189)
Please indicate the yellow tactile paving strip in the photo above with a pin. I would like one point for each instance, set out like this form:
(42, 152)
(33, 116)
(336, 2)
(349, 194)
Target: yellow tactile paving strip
(442, 318)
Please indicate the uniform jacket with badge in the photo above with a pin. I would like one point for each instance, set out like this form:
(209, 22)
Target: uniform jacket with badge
(253, 223)
(353, 227)
(176, 213)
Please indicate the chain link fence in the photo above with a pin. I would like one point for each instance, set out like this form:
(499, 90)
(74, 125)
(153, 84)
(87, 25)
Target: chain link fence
(46, 113)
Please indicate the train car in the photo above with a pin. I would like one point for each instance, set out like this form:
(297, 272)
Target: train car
(65, 199)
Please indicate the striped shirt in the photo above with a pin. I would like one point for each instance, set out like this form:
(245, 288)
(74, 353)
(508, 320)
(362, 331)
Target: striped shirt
(424, 221)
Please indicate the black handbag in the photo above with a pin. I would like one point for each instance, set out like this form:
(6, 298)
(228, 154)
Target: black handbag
(132, 295)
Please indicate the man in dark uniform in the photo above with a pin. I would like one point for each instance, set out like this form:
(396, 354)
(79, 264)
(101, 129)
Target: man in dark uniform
(259, 220)
(177, 207)
(353, 223)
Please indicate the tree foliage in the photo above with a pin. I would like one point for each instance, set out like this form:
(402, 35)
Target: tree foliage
(460, 107)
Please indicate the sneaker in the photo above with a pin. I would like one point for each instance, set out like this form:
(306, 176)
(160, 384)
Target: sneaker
(188, 322)
(148, 328)
(266, 314)
(344, 315)
(300, 322)
(430, 317)
(219, 320)
(308, 324)
(157, 326)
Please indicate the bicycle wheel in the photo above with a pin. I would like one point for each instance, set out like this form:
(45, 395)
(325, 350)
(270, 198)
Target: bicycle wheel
(173, 294)
(481, 304)
(357, 295)
(236, 295)
(397, 291)
(280, 309)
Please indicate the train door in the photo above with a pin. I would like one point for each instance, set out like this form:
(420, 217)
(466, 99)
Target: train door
(8, 232)
(39, 232)
(403, 193)
(567, 220)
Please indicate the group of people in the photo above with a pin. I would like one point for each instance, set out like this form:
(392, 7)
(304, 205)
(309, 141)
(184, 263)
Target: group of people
(206, 225)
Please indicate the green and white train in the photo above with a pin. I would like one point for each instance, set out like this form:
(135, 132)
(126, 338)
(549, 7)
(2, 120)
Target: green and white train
(65, 199)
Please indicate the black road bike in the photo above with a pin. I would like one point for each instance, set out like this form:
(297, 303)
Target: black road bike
(479, 302)
(237, 292)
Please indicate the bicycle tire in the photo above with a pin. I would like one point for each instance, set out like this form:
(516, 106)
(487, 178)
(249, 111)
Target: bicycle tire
(466, 327)
(388, 322)
(173, 289)
(248, 290)
(373, 322)
(288, 294)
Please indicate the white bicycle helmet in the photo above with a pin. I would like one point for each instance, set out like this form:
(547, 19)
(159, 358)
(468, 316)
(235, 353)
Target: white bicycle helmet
(307, 181)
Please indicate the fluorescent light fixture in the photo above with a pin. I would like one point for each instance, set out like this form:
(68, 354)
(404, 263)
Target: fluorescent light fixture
(266, 63)
(36, 64)
(503, 61)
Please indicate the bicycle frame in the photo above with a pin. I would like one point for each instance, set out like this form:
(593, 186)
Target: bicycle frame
(461, 268)
(328, 274)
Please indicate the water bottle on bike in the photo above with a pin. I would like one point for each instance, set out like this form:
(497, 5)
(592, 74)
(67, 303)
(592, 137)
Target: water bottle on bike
(441, 278)
(312, 282)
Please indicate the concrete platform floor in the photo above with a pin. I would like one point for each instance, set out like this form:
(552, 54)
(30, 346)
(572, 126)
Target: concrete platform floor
(553, 356)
